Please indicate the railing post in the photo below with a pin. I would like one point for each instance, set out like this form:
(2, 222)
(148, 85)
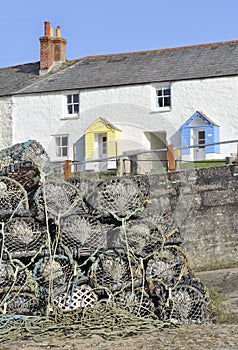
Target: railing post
(171, 158)
(67, 169)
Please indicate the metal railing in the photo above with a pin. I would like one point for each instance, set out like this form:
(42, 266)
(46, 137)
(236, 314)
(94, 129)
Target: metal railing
(167, 160)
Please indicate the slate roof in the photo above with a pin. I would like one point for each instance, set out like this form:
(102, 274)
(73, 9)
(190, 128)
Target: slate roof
(15, 78)
(182, 63)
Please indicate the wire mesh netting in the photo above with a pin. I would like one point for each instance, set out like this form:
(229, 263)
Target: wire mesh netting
(13, 157)
(13, 197)
(119, 197)
(140, 236)
(23, 236)
(183, 304)
(24, 303)
(110, 271)
(137, 302)
(14, 276)
(57, 198)
(52, 275)
(88, 253)
(82, 233)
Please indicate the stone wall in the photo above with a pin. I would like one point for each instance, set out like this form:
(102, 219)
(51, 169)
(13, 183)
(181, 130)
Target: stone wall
(203, 203)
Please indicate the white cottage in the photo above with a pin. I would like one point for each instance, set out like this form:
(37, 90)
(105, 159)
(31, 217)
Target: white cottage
(123, 104)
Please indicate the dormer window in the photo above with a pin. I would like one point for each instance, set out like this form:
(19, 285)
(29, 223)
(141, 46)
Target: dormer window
(163, 97)
(73, 104)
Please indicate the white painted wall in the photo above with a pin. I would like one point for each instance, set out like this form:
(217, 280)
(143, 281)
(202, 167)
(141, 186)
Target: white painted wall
(130, 108)
(6, 107)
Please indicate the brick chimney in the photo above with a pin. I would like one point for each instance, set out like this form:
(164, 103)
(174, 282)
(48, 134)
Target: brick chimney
(59, 47)
(52, 50)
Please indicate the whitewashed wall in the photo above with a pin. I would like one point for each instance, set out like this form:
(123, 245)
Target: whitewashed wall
(6, 107)
(130, 108)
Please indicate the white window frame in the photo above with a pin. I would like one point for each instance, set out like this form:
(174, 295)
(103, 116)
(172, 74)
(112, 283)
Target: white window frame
(163, 96)
(75, 105)
(60, 147)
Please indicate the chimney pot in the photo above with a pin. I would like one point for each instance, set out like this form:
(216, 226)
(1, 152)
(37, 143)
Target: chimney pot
(52, 31)
(47, 28)
(58, 32)
(52, 50)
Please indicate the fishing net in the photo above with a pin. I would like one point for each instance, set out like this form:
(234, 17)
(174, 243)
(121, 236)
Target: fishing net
(137, 235)
(182, 304)
(12, 158)
(13, 197)
(135, 301)
(23, 236)
(82, 235)
(52, 275)
(85, 186)
(88, 254)
(14, 276)
(119, 197)
(165, 224)
(112, 272)
(57, 197)
(166, 267)
(21, 303)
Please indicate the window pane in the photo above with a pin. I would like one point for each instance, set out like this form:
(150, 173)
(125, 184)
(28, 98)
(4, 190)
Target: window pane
(166, 101)
(167, 91)
(70, 109)
(160, 102)
(64, 141)
(69, 98)
(76, 108)
(159, 92)
(58, 152)
(64, 152)
(57, 140)
(76, 98)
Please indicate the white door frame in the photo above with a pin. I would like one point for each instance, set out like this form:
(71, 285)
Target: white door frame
(102, 150)
(199, 138)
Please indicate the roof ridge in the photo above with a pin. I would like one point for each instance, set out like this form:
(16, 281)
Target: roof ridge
(153, 50)
(19, 65)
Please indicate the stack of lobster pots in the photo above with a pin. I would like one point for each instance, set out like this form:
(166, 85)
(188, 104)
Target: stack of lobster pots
(73, 243)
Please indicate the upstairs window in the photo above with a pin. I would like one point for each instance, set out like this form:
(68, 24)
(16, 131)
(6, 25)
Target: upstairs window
(163, 97)
(73, 104)
(61, 143)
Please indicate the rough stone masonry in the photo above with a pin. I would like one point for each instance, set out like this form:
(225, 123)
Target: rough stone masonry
(204, 204)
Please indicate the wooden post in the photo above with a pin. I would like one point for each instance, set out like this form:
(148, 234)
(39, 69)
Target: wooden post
(171, 158)
(67, 169)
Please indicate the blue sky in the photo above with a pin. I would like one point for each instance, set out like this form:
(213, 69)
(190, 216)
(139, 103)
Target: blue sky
(94, 27)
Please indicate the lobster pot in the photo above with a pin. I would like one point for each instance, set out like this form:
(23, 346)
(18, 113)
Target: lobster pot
(119, 197)
(35, 152)
(138, 235)
(24, 162)
(23, 237)
(166, 267)
(111, 272)
(165, 224)
(52, 275)
(13, 197)
(84, 186)
(183, 304)
(57, 198)
(82, 234)
(137, 302)
(80, 297)
(13, 276)
(143, 183)
(23, 303)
